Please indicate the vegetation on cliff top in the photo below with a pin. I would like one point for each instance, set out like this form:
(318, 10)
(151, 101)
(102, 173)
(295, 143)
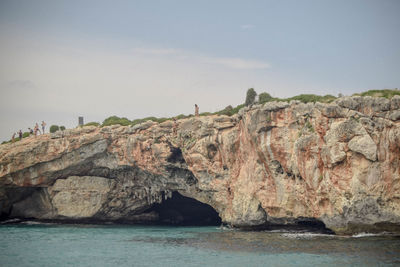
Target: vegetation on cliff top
(24, 135)
(251, 98)
(116, 120)
(92, 123)
(55, 128)
(387, 93)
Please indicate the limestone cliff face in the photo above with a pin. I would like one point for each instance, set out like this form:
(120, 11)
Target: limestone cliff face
(278, 163)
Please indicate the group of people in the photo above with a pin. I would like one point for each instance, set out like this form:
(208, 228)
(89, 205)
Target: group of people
(36, 129)
(33, 131)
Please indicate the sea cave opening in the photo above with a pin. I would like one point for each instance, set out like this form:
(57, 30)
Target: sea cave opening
(185, 211)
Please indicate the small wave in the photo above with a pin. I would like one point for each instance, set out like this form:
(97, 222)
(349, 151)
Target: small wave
(36, 223)
(31, 223)
(369, 234)
(277, 231)
(225, 228)
(304, 235)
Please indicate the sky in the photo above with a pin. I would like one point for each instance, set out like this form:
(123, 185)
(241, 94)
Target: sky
(64, 59)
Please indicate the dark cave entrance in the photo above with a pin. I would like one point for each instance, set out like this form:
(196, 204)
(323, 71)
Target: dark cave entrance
(184, 211)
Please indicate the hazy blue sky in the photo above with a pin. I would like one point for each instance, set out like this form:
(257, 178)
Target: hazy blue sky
(63, 59)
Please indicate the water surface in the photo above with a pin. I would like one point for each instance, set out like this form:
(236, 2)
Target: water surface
(122, 245)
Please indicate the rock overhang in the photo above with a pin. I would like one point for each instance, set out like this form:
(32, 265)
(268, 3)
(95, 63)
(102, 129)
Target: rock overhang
(278, 161)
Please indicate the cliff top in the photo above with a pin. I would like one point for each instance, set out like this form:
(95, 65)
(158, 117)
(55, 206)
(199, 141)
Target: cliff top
(276, 162)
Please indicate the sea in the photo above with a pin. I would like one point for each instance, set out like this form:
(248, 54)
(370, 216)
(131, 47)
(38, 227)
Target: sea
(41, 244)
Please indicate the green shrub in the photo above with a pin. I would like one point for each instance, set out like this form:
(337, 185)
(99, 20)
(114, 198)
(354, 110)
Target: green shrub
(387, 93)
(159, 120)
(92, 123)
(237, 108)
(229, 110)
(182, 116)
(54, 128)
(307, 98)
(226, 111)
(113, 120)
(250, 97)
(264, 98)
(25, 134)
(139, 121)
(62, 128)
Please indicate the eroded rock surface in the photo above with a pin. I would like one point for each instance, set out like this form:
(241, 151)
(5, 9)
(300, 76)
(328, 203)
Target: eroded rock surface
(278, 163)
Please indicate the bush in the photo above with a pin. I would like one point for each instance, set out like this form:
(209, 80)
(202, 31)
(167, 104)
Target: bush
(229, 111)
(113, 120)
(54, 128)
(250, 97)
(237, 108)
(62, 128)
(182, 116)
(92, 123)
(387, 93)
(306, 98)
(159, 120)
(25, 134)
(264, 98)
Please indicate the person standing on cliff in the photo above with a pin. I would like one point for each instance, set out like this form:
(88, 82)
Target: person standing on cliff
(13, 137)
(20, 134)
(196, 110)
(37, 129)
(43, 126)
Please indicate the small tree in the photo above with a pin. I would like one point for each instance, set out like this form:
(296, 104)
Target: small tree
(116, 120)
(264, 97)
(62, 128)
(250, 97)
(54, 128)
(226, 111)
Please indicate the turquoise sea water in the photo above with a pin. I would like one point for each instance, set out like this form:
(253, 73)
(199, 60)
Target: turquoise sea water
(122, 245)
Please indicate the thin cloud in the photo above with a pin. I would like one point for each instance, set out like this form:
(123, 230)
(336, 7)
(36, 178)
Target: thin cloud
(247, 26)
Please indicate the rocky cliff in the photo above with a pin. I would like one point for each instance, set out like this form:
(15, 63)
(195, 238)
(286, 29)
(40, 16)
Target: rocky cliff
(279, 163)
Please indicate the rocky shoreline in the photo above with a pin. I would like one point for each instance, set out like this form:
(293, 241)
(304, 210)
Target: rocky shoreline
(335, 165)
